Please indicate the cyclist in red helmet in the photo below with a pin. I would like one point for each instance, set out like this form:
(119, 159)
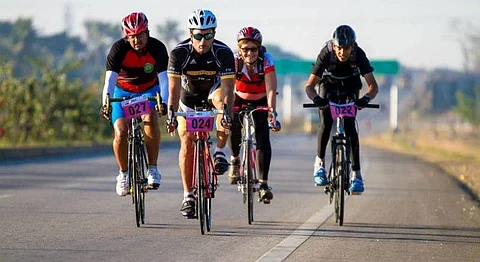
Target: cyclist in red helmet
(256, 83)
(136, 65)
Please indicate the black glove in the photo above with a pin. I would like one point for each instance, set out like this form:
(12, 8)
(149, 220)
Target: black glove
(320, 102)
(104, 113)
(362, 102)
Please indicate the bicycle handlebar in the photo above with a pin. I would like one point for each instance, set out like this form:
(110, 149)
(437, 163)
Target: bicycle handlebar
(158, 98)
(246, 108)
(172, 114)
(366, 106)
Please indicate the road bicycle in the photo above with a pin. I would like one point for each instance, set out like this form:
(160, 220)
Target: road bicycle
(248, 181)
(133, 109)
(201, 121)
(339, 170)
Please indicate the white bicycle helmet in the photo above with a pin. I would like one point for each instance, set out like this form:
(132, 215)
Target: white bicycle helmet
(202, 19)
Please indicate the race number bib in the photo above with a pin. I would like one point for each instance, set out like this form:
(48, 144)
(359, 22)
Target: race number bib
(343, 110)
(199, 121)
(135, 107)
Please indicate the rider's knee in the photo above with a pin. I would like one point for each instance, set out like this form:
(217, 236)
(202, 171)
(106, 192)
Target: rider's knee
(217, 101)
(120, 131)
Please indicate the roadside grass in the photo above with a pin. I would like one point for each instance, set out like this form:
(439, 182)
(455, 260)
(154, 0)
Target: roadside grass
(457, 153)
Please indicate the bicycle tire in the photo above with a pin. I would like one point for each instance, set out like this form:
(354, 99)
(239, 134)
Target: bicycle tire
(143, 163)
(200, 184)
(208, 209)
(130, 171)
(250, 183)
(136, 182)
(243, 181)
(341, 169)
(209, 191)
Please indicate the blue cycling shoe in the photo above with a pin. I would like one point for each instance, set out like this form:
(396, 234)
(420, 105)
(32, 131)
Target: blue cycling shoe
(357, 187)
(320, 176)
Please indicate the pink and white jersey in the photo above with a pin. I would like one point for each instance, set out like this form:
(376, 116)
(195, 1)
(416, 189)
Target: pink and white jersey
(253, 84)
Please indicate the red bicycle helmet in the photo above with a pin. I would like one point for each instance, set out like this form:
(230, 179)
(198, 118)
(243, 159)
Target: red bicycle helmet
(134, 24)
(249, 33)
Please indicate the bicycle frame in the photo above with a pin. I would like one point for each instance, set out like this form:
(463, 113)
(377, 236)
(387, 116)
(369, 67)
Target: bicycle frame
(339, 170)
(339, 175)
(203, 138)
(137, 165)
(205, 181)
(248, 180)
(137, 160)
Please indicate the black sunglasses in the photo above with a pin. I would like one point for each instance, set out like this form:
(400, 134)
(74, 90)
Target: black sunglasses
(252, 49)
(200, 36)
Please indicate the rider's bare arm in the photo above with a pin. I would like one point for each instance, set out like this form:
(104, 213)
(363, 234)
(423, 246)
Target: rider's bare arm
(174, 86)
(372, 88)
(312, 81)
(227, 88)
(271, 88)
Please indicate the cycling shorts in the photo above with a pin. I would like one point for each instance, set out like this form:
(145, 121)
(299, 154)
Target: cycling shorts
(117, 111)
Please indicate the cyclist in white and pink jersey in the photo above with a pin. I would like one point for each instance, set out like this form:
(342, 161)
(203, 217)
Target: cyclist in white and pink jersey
(256, 83)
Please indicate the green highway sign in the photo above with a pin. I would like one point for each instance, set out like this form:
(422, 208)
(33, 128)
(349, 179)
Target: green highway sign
(386, 67)
(289, 66)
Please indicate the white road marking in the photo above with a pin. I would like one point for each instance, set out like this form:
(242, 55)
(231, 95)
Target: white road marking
(6, 196)
(283, 249)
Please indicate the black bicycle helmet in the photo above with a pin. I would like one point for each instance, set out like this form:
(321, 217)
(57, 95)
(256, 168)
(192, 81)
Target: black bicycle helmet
(344, 36)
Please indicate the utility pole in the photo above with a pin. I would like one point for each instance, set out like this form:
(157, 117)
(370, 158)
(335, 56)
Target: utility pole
(68, 18)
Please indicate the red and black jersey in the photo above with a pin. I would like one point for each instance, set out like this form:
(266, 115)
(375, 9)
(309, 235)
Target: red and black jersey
(137, 72)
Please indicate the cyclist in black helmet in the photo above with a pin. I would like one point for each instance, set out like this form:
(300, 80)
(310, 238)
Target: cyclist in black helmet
(342, 57)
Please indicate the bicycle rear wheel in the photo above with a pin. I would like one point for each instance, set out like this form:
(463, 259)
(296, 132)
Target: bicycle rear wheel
(341, 169)
(199, 169)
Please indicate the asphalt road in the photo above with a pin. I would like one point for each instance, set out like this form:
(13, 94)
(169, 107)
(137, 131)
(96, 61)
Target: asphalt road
(65, 209)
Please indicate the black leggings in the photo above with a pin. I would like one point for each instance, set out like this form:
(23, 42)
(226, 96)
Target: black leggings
(325, 127)
(262, 135)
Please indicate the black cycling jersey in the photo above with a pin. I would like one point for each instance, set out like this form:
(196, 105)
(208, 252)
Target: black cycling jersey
(344, 69)
(200, 73)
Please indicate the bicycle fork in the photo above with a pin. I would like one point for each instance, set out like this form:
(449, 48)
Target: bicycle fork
(337, 141)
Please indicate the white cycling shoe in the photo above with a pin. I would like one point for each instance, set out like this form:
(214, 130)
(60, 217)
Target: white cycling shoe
(154, 178)
(122, 185)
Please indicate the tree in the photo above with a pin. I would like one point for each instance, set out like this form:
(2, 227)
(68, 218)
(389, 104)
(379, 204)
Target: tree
(170, 33)
(468, 106)
(469, 37)
(21, 44)
(101, 35)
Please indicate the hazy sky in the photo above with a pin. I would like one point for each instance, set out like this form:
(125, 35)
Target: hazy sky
(418, 33)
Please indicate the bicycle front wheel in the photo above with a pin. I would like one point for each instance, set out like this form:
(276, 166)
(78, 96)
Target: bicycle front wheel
(341, 169)
(250, 182)
(137, 198)
(200, 177)
(143, 179)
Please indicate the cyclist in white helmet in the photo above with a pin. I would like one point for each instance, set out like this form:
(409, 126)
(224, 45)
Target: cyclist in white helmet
(201, 68)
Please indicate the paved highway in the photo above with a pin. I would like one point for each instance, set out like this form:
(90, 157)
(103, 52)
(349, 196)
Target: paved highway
(65, 209)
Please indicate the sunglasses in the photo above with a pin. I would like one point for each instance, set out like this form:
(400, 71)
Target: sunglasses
(251, 49)
(200, 36)
(138, 36)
